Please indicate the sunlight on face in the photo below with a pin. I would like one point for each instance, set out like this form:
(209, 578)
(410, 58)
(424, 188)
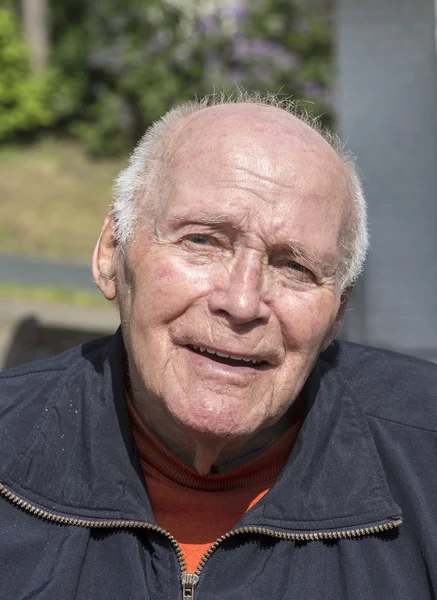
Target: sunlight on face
(228, 302)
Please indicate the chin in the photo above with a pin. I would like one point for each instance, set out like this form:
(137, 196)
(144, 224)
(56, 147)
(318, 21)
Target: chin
(215, 420)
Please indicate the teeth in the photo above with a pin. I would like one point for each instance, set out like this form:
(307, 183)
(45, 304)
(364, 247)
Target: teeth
(224, 355)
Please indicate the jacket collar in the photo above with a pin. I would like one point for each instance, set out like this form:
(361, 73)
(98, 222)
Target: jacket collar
(80, 459)
(334, 477)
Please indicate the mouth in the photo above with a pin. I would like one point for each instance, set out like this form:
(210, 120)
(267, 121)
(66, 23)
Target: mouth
(231, 360)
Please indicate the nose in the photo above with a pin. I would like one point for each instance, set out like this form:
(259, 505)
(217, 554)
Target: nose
(239, 292)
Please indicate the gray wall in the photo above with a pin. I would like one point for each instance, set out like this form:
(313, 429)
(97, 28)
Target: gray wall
(386, 107)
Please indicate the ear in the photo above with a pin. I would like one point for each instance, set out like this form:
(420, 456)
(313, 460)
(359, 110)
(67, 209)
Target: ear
(339, 317)
(103, 262)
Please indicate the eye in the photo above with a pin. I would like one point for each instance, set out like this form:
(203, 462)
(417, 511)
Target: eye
(296, 270)
(200, 239)
(292, 264)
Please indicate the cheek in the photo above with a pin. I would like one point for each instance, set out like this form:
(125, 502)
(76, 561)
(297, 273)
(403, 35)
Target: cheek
(307, 319)
(165, 287)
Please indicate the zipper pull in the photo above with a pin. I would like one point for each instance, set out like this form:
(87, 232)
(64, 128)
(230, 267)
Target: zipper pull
(189, 582)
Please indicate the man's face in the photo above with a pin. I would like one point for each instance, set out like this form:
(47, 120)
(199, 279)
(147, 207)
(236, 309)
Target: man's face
(230, 293)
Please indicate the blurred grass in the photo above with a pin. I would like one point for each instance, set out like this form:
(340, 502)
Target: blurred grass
(53, 199)
(54, 295)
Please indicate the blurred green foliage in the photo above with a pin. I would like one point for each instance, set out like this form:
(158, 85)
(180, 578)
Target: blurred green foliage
(28, 102)
(23, 97)
(125, 62)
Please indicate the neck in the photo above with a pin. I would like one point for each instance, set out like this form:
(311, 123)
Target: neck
(206, 454)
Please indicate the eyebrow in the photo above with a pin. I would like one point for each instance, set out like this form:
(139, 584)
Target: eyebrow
(204, 219)
(325, 263)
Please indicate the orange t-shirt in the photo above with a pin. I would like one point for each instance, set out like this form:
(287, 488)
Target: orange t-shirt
(198, 509)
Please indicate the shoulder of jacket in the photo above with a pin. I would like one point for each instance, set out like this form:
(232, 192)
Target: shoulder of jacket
(31, 384)
(389, 385)
(53, 364)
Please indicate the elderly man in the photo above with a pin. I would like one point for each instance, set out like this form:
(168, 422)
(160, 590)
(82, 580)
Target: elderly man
(221, 445)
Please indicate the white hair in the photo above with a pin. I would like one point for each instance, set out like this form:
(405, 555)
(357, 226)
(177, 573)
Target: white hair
(139, 180)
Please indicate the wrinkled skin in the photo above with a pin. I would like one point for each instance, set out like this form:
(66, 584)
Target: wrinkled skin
(240, 254)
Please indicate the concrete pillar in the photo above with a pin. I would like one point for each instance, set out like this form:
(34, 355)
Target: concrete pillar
(386, 107)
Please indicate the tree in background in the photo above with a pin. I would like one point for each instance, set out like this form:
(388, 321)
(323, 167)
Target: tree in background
(270, 45)
(24, 96)
(34, 96)
(121, 63)
(34, 15)
(123, 56)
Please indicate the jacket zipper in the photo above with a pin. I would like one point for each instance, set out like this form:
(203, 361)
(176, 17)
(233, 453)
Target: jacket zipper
(117, 524)
(190, 580)
(304, 536)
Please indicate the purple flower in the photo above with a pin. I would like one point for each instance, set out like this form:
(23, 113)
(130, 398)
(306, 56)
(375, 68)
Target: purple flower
(264, 50)
(240, 48)
(235, 75)
(260, 48)
(235, 10)
(207, 24)
(313, 90)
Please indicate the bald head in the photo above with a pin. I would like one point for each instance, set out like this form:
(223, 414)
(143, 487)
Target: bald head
(271, 151)
(272, 130)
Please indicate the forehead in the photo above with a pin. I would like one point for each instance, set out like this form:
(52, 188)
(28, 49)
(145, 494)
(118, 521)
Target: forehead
(269, 171)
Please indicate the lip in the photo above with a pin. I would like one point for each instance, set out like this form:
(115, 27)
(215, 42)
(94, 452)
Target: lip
(204, 361)
(249, 358)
